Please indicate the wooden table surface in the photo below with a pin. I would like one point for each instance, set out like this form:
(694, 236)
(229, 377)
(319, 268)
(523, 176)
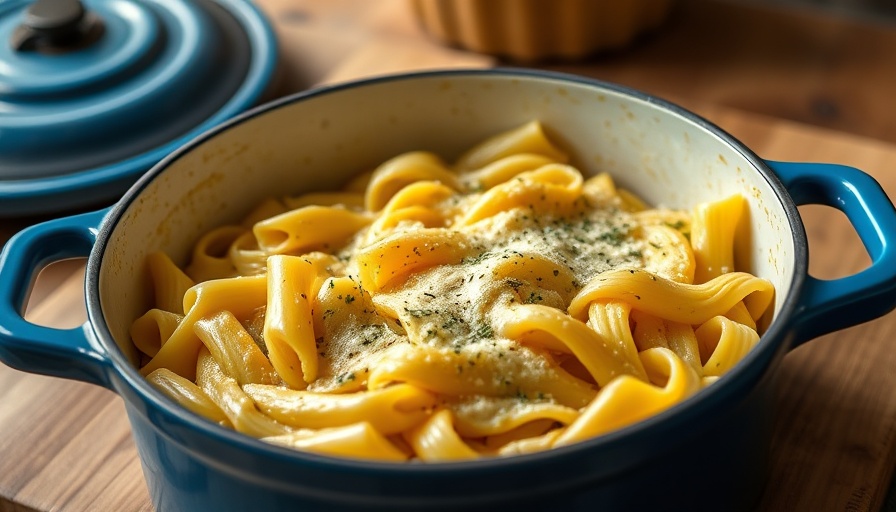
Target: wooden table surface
(793, 84)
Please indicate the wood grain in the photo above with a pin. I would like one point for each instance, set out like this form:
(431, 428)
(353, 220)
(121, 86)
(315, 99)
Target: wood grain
(794, 64)
(66, 446)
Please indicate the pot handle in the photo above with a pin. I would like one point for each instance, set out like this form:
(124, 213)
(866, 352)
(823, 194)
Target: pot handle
(68, 353)
(830, 305)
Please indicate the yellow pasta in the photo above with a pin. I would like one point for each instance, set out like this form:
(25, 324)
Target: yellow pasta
(498, 305)
(289, 326)
(359, 440)
(627, 400)
(501, 420)
(153, 329)
(533, 444)
(229, 343)
(404, 170)
(188, 395)
(529, 138)
(435, 440)
(169, 283)
(307, 229)
(549, 327)
(528, 430)
(551, 187)
(404, 253)
(723, 343)
(227, 394)
(681, 302)
(248, 259)
(210, 259)
(240, 295)
(351, 200)
(503, 170)
(389, 410)
(712, 236)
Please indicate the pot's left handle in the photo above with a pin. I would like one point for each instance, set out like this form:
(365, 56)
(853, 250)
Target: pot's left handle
(830, 305)
(67, 353)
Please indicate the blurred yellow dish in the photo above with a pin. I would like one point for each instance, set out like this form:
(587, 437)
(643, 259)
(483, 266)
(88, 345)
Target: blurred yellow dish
(529, 30)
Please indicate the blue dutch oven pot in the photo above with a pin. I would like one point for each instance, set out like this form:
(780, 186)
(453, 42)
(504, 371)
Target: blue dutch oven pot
(94, 92)
(706, 453)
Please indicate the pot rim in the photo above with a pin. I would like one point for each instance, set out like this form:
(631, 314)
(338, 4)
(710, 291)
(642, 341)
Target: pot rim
(737, 382)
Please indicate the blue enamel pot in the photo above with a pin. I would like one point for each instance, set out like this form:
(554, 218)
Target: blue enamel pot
(708, 452)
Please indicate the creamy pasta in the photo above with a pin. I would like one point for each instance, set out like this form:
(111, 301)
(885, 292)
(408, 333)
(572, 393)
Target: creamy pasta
(500, 305)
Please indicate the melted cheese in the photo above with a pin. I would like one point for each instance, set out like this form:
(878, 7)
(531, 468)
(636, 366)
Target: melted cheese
(451, 307)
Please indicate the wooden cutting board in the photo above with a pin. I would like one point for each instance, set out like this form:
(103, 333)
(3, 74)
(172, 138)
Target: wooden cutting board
(67, 446)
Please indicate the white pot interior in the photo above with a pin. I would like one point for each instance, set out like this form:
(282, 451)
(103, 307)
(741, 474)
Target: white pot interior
(318, 142)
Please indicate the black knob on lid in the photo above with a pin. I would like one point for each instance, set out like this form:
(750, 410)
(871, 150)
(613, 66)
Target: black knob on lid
(55, 26)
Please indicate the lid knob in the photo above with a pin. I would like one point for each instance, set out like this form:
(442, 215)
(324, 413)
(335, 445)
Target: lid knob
(55, 26)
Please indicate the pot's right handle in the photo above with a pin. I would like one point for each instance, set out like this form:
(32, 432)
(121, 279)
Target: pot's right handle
(68, 353)
(830, 305)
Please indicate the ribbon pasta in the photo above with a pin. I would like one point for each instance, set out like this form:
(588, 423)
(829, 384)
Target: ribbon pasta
(501, 305)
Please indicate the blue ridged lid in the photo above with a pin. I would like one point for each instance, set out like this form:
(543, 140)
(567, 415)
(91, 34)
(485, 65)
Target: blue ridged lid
(93, 93)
